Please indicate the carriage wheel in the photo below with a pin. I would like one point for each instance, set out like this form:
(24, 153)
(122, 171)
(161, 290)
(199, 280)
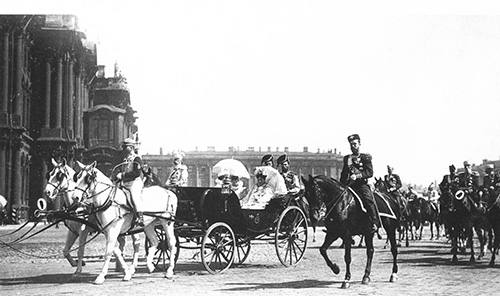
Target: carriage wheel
(242, 250)
(291, 236)
(162, 253)
(218, 248)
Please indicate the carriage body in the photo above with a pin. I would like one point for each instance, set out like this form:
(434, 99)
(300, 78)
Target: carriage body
(212, 220)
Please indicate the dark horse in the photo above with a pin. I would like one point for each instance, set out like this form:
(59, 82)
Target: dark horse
(423, 210)
(460, 219)
(345, 218)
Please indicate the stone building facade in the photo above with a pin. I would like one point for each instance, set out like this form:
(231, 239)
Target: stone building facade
(200, 163)
(48, 86)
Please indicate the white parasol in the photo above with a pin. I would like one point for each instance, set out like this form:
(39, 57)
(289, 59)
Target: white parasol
(232, 167)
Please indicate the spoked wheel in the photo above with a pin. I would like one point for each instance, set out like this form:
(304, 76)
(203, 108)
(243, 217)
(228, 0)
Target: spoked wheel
(162, 253)
(291, 236)
(218, 248)
(242, 250)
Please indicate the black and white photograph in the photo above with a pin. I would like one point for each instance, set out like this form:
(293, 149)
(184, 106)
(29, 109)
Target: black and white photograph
(279, 147)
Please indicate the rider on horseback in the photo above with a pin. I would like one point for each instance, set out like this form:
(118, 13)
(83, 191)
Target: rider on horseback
(393, 184)
(469, 180)
(491, 183)
(356, 171)
(131, 176)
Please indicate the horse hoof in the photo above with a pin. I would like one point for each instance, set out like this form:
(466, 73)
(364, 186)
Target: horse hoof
(366, 280)
(170, 274)
(99, 280)
(335, 269)
(393, 278)
(132, 270)
(83, 263)
(127, 277)
(345, 285)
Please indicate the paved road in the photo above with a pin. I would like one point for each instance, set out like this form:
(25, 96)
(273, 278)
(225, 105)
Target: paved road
(425, 269)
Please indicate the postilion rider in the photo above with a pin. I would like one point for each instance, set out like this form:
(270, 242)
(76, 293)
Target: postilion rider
(356, 171)
(131, 177)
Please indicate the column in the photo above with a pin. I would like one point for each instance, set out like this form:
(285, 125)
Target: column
(59, 90)
(197, 176)
(19, 96)
(48, 77)
(16, 177)
(210, 181)
(3, 170)
(69, 95)
(78, 108)
(5, 73)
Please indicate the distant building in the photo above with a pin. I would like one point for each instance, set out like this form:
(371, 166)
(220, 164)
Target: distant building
(108, 121)
(200, 163)
(46, 63)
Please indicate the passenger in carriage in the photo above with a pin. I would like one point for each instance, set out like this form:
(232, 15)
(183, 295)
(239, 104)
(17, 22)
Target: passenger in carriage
(260, 195)
(291, 179)
(179, 173)
(131, 177)
(267, 160)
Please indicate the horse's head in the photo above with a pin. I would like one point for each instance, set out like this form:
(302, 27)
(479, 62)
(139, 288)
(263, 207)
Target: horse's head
(59, 180)
(319, 191)
(87, 182)
(461, 198)
(380, 185)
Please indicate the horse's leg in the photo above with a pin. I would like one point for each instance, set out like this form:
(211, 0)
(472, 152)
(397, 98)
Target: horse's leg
(347, 260)
(454, 232)
(153, 241)
(121, 246)
(369, 258)
(111, 237)
(481, 239)
(136, 241)
(421, 228)
(391, 234)
(495, 246)
(119, 257)
(329, 239)
(407, 238)
(168, 227)
(360, 245)
(314, 233)
(81, 248)
(386, 242)
(470, 233)
(70, 240)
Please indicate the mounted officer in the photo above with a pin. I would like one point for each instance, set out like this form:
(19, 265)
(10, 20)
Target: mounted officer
(393, 184)
(179, 174)
(449, 180)
(491, 182)
(131, 176)
(291, 179)
(469, 180)
(356, 171)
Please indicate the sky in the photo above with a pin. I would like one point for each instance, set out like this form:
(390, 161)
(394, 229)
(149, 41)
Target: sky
(420, 84)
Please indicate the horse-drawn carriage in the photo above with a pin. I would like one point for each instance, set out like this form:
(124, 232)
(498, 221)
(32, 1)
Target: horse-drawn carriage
(205, 218)
(212, 220)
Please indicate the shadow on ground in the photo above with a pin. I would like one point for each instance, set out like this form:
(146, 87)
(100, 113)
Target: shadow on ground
(303, 284)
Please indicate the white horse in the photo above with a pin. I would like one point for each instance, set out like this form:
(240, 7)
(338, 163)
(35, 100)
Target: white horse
(116, 216)
(60, 184)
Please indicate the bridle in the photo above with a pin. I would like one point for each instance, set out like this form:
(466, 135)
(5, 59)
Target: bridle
(60, 177)
(332, 204)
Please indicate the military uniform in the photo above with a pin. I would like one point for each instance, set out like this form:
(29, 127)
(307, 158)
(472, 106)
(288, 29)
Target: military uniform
(491, 184)
(291, 179)
(361, 166)
(131, 176)
(178, 176)
(447, 182)
(471, 183)
(393, 184)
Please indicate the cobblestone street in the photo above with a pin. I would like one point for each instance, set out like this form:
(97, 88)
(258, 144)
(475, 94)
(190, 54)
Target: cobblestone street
(424, 269)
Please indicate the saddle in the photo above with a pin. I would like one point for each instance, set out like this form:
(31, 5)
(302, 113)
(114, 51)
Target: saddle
(362, 205)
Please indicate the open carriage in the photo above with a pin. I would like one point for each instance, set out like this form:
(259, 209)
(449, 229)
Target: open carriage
(212, 220)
